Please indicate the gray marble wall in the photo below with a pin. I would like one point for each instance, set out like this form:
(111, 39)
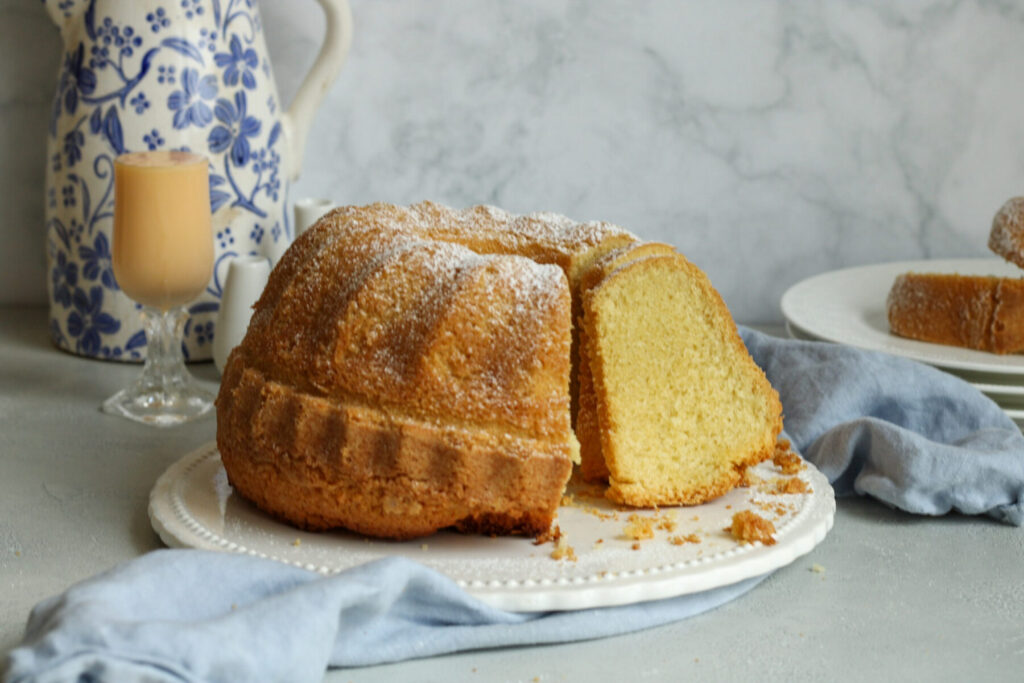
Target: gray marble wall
(768, 140)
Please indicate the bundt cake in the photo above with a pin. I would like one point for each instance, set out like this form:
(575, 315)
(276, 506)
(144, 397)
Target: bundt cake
(979, 312)
(410, 369)
(682, 408)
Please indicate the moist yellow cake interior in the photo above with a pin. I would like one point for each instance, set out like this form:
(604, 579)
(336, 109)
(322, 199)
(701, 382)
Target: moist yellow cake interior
(681, 411)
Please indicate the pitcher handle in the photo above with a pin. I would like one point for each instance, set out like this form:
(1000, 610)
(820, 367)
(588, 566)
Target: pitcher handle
(297, 120)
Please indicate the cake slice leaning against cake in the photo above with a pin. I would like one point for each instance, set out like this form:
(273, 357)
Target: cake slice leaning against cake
(588, 431)
(682, 407)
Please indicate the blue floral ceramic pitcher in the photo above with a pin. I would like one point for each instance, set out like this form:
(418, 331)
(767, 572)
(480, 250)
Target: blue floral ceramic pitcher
(168, 74)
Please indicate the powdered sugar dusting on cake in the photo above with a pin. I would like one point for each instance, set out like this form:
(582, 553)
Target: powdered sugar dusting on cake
(497, 214)
(430, 324)
(431, 309)
(1007, 235)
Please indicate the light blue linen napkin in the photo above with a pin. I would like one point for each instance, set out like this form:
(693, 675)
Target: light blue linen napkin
(909, 435)
(912, 436)
(191, 615)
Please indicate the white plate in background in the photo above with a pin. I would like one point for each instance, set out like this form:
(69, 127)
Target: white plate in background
(848, 306)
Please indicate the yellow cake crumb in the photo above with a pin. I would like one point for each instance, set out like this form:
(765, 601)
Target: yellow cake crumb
(791, 485)
(775, 508)
(682, 540)
(666, 524)
(553, 534)
(603, 516)
(635, 546)
(749, 479)
(786, 460)
(750, 527)
(639, 528)
(563, 551)
(297, 542)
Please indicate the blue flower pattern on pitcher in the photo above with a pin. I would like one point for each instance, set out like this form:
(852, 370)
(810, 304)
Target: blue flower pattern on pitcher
(192, 8)
(75, 81)
(88, 322)
(165, 74)
(64, 279)
(98, 262)
(73, 143)
(161, 81)
(153, 140)
(140, 103)
(189, 103)
(158, 20)
(235, 129)
(238, 63)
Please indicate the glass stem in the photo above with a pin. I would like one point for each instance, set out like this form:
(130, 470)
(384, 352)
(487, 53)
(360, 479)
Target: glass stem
(164, 371)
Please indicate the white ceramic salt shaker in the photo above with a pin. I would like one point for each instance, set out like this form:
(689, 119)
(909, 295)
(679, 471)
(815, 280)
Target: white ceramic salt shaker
(308, 211)
(247, 276)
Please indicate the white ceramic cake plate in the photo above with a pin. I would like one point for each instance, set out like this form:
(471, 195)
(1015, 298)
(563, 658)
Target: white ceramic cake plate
(848, 306)
(192, 505)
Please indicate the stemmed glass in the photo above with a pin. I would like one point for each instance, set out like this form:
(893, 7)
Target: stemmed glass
(163, 259)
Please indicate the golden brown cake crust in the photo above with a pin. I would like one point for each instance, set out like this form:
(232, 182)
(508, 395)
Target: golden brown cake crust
(976, 312)
(322, 464)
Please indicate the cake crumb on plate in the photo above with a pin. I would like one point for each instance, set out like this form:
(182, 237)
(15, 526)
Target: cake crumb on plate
(750, 527)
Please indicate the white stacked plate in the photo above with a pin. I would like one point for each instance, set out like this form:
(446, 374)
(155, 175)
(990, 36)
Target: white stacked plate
(848, 307)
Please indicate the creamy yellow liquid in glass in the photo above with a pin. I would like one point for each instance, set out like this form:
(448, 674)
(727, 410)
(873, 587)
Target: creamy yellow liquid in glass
(163, 241)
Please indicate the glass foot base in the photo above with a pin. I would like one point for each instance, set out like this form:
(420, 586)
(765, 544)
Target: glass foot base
(160, 408)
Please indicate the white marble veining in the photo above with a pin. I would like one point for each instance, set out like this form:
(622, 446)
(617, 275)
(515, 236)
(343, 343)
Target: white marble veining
(768, 140)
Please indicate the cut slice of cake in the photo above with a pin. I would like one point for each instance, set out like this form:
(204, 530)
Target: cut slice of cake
(588, 431)
(682, 408)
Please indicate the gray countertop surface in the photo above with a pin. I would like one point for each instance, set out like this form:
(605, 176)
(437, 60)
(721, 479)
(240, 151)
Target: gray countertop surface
(900, 597)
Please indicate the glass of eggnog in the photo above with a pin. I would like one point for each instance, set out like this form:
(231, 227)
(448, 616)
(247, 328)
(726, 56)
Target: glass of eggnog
(163, 259)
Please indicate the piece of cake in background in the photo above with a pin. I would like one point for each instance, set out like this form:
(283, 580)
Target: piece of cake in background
(984, 313)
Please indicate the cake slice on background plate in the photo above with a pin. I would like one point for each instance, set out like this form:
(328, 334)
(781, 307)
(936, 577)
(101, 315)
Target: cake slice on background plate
(980, 312)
